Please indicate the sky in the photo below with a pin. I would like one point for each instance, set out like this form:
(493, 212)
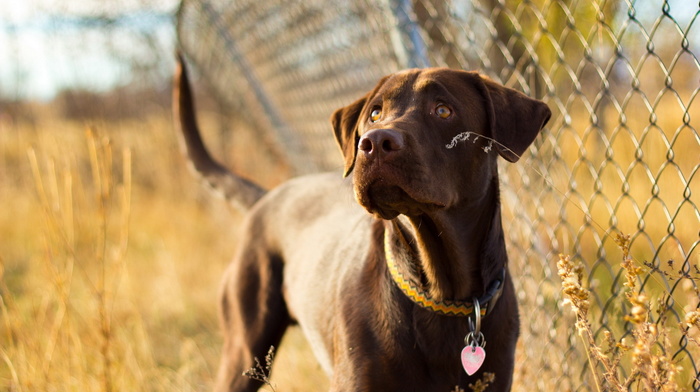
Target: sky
(50, 45)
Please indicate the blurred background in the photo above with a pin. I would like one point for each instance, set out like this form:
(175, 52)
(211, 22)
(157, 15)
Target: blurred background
(111, 253)
(51, 47)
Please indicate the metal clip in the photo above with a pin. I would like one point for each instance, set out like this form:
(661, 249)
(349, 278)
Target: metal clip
(475, 338)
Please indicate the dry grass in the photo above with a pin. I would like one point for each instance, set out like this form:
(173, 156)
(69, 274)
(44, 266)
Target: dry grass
(110, 262)
(643, 361)
(584, 185)
(112, 254)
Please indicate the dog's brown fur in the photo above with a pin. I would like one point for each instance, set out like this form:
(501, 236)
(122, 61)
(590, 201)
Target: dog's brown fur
(312, 255)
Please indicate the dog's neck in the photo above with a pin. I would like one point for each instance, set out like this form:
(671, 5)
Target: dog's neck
(457, 252)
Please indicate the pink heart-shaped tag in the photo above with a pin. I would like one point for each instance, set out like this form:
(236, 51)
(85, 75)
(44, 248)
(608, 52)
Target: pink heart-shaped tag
(472, 358)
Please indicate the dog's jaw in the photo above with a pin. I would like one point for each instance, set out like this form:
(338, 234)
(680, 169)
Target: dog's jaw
(386, 201)
(386, 192)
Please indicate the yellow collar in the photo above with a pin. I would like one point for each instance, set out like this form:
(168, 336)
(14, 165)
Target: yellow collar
(444, 307)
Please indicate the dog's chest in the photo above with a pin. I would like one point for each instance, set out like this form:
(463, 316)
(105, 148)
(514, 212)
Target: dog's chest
(398, 346)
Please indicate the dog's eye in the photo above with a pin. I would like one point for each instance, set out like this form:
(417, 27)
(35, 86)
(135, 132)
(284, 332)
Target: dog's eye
(375, 115)
(443, 111)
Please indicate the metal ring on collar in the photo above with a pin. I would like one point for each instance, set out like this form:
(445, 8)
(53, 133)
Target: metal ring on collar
(477, 316)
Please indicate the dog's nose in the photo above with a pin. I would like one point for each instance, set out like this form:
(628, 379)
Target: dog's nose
(381, 141)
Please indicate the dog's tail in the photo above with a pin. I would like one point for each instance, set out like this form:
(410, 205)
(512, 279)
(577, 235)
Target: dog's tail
(236, 190)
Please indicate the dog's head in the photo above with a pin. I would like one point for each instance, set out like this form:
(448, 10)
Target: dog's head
(425, 139)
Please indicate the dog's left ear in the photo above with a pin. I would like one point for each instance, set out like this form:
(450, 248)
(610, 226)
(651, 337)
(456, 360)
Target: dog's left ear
(344, 122)
(515, 118)
(345, 126)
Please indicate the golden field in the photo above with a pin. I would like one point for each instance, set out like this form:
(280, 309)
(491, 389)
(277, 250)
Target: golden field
(110, 261)
(111, 256)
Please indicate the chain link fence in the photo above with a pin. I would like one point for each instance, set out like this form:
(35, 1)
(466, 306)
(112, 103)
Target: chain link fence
(620, 154)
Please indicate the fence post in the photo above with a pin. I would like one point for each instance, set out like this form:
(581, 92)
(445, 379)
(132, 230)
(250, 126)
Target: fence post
(405, 35)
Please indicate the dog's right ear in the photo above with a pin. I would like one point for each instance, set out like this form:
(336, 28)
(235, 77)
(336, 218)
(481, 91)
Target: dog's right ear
(344, 122)
(516, 119)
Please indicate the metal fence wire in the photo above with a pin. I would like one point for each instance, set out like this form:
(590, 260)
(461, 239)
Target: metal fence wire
(620, 154)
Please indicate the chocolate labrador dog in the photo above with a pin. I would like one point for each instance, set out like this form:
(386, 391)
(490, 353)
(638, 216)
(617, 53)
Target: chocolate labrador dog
(395, 271)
